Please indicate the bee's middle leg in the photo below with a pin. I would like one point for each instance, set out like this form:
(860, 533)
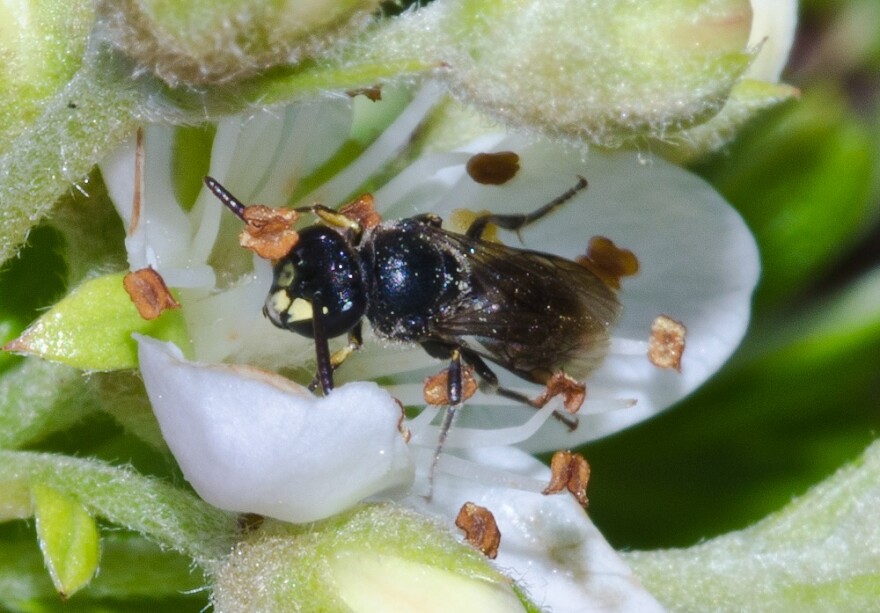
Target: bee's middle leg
(491, 379)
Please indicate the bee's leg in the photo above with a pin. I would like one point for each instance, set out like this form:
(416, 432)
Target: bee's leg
(333, 218)
(518, 222)
(454, 386)
(322, 347)
(355, 341)
(491, 379)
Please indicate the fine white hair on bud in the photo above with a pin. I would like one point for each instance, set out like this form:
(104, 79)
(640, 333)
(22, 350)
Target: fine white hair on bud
(252, 441)
(203, 41)
(628, 69)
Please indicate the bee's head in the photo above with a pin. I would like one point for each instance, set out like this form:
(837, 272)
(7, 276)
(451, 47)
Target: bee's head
(324, 266)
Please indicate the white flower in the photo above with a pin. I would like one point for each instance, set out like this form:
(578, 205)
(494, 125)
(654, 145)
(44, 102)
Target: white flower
(698, 264)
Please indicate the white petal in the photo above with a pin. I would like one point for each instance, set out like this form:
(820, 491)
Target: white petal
(251, 441)
(548, 543)
(773, 26)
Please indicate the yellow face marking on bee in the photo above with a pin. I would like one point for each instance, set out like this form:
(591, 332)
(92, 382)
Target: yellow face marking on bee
(280, 301)
(300, 310)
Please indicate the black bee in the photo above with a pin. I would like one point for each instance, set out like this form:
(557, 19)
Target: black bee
(460, 297)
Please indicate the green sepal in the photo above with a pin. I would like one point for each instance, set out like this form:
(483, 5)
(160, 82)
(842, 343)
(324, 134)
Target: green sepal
(68, 538)
(747, 99)
(91, 328)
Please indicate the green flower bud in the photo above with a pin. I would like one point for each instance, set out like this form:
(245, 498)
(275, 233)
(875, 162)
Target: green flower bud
(206, 41)
(378, 557)
(606, 71)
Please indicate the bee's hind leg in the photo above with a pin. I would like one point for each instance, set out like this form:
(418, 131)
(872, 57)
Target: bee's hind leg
(491, 380)
(518, 222)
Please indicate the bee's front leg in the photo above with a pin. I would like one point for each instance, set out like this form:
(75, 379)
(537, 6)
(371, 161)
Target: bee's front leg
(355, 341)
(322, 347)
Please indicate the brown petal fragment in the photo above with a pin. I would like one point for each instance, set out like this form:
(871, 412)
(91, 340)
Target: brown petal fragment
(480, 528)
(149, 293)
(401, 423)
(573, 392)
(361, 210)
(269, 232)
(608, 261)
(436, 390)
(373, 93)
(666, 345)
(569, 471)
(493, 168)
(137, 198)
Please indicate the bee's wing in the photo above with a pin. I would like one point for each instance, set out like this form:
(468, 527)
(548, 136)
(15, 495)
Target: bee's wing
(531, 312)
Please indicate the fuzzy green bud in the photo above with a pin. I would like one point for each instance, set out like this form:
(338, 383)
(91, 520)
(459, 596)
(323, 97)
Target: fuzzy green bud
(601, 70)
(373, 558)
(206, 41)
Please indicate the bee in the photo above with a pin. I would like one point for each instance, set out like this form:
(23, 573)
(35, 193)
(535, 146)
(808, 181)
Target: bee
(459, 296)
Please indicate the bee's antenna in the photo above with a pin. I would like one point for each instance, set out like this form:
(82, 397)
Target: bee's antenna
(231, 202)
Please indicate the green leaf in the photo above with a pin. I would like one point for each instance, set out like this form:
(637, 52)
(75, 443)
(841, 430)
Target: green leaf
(68, 539)
(134, 575)
(38, 398)
(91, 328)
(77, 127)
(166, 514)
(28, 284)
(820, 553)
